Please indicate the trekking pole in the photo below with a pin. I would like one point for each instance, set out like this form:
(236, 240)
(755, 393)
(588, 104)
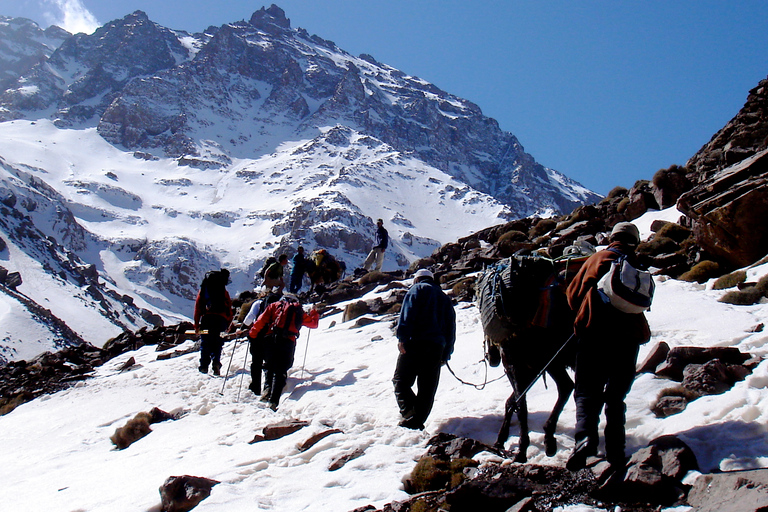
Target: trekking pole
(226, 376)
(516, 403)
(305, 355)
(242, 375)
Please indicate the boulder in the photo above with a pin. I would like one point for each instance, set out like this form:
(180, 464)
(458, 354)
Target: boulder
(183, 493)
(737, 491)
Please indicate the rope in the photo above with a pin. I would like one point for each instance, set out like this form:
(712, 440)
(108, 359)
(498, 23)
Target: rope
(476, 386)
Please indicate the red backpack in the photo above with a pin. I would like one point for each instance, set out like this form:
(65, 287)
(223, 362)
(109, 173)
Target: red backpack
(288, 319)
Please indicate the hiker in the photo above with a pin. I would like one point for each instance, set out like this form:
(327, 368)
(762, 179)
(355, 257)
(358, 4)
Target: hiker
(426, 332)
(256, 344)
(607, 345)
(281, 322)
(213, 314)
(298, 267)
(273, 275)
(377, 252)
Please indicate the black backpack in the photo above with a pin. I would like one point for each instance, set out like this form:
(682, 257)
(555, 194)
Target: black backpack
(213, 291)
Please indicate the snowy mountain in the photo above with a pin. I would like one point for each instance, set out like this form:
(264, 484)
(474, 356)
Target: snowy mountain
(135, 159)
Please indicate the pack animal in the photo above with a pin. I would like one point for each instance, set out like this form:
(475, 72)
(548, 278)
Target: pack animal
(525, 316)
(323, 268)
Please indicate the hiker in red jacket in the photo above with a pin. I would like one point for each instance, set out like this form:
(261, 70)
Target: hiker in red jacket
(282, 320)
(608, 343)
(213, 314)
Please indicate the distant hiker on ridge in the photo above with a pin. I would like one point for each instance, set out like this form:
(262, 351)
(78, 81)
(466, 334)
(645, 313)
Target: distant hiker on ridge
(377, 252)
(213, 314)
(298, 267)
(281, 322)
(608, 342)
(426, 332)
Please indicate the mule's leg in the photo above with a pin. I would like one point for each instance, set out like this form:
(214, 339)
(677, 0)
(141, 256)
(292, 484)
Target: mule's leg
(564, 385)
(525, 441)
(509, 410)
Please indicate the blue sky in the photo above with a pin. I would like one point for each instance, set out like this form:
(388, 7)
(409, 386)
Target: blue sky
(606, 92)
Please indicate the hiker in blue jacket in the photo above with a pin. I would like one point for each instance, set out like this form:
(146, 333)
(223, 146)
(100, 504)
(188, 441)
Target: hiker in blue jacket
(426, 332)
(377, 253)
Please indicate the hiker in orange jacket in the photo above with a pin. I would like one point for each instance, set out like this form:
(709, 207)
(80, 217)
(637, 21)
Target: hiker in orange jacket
(281, 323)
(608, 343)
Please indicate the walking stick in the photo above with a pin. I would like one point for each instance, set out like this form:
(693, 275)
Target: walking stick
(242, 376)
(305, 355)
(228, 367)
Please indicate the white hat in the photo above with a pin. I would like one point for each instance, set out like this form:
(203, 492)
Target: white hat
(423, 272)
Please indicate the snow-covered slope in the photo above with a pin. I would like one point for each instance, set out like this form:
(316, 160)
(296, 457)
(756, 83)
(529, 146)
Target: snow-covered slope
(57, 454)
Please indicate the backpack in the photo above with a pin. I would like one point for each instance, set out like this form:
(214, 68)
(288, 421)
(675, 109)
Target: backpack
(504, 294)
(288, 319)
(270, 261)
(625, 287)
(213, 291)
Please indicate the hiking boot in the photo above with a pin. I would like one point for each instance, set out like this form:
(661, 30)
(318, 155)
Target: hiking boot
(256, 389)
(217, 369)
(578, 459)
(265, 396)
(273, 406)
(411, 424)
(203, 369)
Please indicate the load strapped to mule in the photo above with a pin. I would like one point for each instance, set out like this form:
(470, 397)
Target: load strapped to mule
(522, 291)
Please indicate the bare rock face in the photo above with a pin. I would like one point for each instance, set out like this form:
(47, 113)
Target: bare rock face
(738, 491)
(729, 209)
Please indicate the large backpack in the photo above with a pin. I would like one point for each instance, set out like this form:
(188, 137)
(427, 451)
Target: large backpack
(508, 294)
(288, 319)
(625, 287)
(213, 291)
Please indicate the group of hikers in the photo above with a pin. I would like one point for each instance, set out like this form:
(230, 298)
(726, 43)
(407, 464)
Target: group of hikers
(426, 334)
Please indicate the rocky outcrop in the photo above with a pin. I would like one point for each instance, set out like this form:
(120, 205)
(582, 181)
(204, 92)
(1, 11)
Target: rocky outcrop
(23, 44)
(729, 209)
(729, 175)
(82, 75)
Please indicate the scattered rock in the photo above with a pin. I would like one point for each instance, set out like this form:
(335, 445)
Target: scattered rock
(312, 441)
(183, 493)
(340, 461)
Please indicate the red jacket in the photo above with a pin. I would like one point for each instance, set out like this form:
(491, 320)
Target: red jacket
(267, 319)
(201, 309)
(593, 316)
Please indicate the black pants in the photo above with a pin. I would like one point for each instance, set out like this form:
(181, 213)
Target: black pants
(419, 365)
(605, 370)
(278, 360)
(256, 347)
(211, 343)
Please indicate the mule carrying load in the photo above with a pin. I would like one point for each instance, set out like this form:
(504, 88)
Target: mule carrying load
(527, 325)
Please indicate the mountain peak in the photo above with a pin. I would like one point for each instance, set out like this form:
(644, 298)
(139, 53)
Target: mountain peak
(270, 20)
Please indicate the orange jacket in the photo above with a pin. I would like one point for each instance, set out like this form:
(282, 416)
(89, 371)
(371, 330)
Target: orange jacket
(593, 316)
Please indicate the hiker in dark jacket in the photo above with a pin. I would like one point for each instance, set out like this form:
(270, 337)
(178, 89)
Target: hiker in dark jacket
(281, 327)
(426, 332)
(608, 343)
(298, 267)
(380, 245)
(213, 314)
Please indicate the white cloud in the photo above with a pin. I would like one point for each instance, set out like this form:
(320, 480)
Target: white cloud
(71, 15)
